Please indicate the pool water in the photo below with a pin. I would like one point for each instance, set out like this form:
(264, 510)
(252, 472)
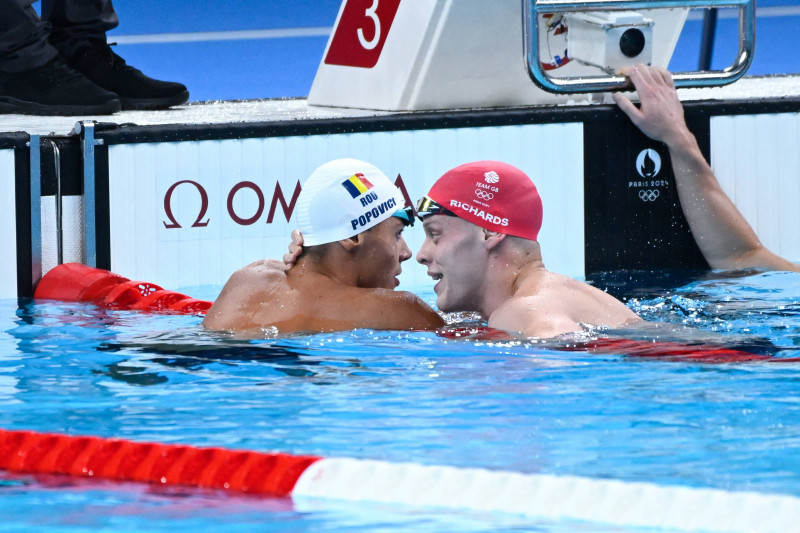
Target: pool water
(531, 407)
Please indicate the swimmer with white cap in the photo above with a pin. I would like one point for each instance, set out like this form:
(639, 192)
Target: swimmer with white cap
(483, 252)
(352, 218)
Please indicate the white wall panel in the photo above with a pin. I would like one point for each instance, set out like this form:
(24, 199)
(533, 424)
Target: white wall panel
(8, 219)
(141, 174)
(71, 231)
(757, 161)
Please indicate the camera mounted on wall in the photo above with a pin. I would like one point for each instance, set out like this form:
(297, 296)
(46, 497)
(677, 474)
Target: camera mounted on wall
(611, 34)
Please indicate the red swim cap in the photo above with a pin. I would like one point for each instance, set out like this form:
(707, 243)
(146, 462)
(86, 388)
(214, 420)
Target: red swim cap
(493, 195)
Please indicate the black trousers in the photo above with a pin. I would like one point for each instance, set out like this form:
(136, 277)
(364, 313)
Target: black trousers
(28, 41)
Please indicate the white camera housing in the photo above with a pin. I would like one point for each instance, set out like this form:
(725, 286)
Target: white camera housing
(610, 39)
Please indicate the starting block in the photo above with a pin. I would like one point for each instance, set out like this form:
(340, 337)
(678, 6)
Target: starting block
(412, 55)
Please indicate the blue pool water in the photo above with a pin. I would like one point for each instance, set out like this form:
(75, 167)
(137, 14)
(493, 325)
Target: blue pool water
(405, 397)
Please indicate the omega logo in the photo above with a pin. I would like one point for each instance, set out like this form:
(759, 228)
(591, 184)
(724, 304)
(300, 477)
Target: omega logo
(277, 197)
(200, 215)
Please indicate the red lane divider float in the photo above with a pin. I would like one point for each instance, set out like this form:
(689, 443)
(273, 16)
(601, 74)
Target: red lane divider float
(647, 349)
(675, 351)
(272, 474)
(74, 282)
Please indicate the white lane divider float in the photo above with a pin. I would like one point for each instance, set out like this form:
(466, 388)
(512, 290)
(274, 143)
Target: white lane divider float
(630, 504)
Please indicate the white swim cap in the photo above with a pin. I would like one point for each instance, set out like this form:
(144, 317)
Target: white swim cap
(342, 198)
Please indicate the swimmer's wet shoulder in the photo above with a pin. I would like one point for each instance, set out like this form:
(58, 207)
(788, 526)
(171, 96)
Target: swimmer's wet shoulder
(244, 292)
(263, 295)
(335, 307)
(547, 304)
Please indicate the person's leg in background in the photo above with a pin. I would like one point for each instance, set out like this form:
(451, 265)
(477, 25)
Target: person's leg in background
(79, 34)
(24, 41)
(34, 79)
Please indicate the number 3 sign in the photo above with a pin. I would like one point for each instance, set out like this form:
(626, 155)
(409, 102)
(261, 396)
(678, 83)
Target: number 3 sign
(361, 33)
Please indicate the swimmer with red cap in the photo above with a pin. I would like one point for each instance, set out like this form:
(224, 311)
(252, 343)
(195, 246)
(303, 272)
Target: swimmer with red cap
(352, 218)
(481, 224)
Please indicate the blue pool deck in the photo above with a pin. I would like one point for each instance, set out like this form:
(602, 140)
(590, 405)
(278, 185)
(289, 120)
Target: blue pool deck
(252, 49)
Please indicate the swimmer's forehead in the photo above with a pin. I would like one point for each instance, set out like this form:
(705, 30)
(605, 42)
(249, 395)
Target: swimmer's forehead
(430, 221)
(393, 222)
(441, 221)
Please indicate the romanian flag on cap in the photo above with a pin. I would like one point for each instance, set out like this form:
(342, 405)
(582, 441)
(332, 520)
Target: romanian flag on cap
(357, 184)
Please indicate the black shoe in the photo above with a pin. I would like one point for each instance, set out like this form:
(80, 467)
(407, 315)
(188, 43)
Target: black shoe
(54, 89)
(99, 63)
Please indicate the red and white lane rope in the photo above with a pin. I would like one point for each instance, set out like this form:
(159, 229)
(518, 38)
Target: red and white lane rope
(535, 495)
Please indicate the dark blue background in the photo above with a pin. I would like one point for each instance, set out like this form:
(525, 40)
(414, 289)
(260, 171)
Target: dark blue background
(265, 68)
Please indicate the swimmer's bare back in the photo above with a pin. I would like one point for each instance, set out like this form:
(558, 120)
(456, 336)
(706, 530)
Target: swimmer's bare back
(266, 294)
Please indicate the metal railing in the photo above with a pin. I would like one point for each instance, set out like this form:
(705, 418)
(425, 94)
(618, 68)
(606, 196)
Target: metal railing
(534, 9)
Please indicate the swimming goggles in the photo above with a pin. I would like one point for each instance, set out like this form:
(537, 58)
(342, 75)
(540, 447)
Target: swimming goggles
(406, 215)
(427, 207)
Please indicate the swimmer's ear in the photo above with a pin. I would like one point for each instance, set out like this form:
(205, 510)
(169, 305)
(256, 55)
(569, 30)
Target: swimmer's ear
(351, 243)
(492, 238)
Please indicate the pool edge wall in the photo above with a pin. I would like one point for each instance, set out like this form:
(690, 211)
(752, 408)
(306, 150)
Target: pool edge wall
(17, 204)
(187, 204)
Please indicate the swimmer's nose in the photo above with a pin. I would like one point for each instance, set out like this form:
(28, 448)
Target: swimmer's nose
(422, 254)
(405, 251)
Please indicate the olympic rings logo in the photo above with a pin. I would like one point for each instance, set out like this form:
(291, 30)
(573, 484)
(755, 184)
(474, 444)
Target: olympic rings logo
(483, 195)
(649, 195)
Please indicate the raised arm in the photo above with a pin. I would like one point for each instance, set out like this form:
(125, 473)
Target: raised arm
(723, 235)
